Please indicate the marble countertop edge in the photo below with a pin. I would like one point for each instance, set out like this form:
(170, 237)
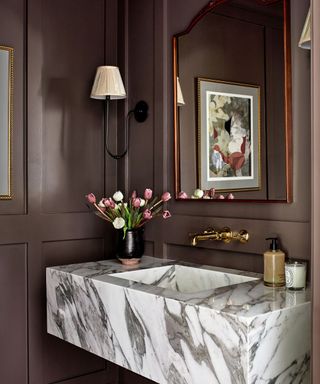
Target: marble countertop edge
(245, 300)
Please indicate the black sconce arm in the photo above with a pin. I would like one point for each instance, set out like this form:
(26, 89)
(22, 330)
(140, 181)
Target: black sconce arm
(140, 113)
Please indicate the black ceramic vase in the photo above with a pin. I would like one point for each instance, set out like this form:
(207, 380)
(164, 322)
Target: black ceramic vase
(131, 248)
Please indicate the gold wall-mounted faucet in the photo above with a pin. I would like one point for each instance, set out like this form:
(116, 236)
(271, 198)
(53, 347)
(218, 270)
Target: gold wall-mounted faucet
(225, 235)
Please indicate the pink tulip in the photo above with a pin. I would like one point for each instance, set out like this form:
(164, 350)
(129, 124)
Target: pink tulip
(91, 198)
(182, 195)
(136, 202)
(166, 214)
(134, 194)
(166, 196)
(109, 203)
(147, 194)
(221, 197)
(230, 196)
(147, 214)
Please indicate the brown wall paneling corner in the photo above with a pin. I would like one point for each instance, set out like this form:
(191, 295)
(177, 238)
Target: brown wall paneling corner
(58, 157)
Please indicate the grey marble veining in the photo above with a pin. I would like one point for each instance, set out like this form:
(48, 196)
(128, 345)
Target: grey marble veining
(173, 324)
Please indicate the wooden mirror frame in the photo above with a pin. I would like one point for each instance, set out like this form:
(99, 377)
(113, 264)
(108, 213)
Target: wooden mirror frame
(287, 101)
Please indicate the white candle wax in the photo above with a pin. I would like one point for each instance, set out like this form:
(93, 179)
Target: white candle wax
(295, 275)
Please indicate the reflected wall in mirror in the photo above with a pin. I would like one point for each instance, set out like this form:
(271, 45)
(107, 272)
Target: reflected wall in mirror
(6, 120)
(232, 102)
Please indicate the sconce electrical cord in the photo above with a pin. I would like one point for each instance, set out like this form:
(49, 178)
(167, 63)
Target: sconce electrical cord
(140, 112)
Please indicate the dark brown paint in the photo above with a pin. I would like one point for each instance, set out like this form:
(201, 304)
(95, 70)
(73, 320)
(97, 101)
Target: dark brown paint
(39, 230)
(57, 159)
(13, 316)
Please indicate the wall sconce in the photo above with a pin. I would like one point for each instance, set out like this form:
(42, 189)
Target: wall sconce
(108, 85)
(180, 99)
(305, 39)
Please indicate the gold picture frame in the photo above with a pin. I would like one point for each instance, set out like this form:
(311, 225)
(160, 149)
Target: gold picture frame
(6, 121)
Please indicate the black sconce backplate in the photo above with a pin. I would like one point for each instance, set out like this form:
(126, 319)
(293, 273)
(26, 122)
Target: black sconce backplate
(141, 111)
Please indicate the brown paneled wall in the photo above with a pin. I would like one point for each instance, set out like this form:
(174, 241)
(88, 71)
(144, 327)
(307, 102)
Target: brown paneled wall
(58, 157)
(13, 317)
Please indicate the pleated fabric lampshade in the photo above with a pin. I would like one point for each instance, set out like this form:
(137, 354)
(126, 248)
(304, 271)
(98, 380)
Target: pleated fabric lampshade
(180, 99)
(108, 82)
(305, 39)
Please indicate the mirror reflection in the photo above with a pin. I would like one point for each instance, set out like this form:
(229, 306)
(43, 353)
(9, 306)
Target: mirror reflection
(6, 86)
(232, 103)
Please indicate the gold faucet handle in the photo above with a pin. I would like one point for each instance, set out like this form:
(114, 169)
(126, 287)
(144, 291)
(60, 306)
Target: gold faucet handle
(226, 235)
(243, 236)
(209, 230)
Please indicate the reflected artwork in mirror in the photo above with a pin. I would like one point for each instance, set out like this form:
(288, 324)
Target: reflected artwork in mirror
(6, 120)
(232, 103)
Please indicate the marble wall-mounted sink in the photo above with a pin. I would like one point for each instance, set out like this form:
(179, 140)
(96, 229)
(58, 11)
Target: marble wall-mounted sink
(183, 278)
(199, 334)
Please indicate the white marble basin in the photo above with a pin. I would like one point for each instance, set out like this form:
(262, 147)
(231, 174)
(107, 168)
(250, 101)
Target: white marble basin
(179, 323)
(184, 279)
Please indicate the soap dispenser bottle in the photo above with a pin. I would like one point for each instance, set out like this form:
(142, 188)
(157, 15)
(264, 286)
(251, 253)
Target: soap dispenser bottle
(274, 261)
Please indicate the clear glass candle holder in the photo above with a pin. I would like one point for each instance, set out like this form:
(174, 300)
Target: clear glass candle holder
(296, 273)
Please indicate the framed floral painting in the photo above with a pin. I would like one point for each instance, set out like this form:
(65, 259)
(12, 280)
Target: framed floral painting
(228, 136)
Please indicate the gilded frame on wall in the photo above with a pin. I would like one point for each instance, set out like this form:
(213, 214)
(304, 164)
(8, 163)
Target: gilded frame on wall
(228, 154)
(6, 121)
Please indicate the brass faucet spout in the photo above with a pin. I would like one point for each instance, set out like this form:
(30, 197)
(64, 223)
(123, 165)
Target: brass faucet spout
(204, 236)
(225, 235)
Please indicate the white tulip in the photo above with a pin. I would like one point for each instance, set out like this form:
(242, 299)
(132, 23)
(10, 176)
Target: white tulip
(198, 193)
(119, 223)
(118, 196)
(142, 202)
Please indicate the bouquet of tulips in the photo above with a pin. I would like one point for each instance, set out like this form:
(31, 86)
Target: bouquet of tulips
(132, 214)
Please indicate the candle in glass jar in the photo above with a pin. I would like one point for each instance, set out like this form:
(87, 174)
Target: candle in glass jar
(295, 275)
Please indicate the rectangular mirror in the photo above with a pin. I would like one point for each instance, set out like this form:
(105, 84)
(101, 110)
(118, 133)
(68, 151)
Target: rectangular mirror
(6, 119)
(232, 103)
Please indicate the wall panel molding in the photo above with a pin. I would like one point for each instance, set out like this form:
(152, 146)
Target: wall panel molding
(72, 131)
(14, 313)
(294, 236)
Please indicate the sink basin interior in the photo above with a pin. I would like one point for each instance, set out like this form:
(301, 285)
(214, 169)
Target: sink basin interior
(183, 278)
